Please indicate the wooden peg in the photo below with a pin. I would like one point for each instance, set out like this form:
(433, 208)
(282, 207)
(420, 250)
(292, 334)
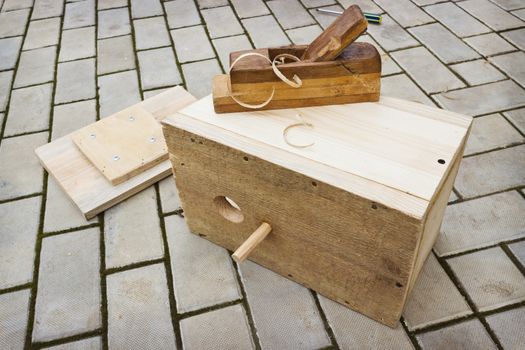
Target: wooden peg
(255, 238)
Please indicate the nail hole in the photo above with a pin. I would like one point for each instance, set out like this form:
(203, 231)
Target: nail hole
(398, 285)
(202, 235)
(346, 302)
(228, 209)
(374, 206)
(441, 161)
(290, 275)
(245, 158)
(181, 164)
(192, 139)
(314, 183)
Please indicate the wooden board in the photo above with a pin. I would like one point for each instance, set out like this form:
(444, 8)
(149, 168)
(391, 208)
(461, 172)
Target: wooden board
(84, 184)
(124, 144)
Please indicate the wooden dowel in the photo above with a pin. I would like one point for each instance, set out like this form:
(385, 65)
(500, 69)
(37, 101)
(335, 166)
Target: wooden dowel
(255, 238)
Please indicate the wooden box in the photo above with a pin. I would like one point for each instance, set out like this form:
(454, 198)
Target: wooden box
(354, 216)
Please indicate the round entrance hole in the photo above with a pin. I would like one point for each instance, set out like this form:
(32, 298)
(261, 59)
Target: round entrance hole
(228, 209)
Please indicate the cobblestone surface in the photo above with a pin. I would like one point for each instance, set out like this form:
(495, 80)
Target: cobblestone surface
(135, 278)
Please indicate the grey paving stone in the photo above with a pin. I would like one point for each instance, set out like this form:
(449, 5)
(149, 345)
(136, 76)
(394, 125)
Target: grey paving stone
(405, 12)
(139, 310)
(443, 43)
(489, 44)
(115, 54)
(29, 109)
(181, 13)
(520, 14)
(221, 21)
(517, 117)
(508, 327)
(203, 4)
(109, 4)
(14, 308)
(36, 67)
(317, 3)
(146, 8)
(365, 5)
(481, 222)
(72, 116)
(94, 343)
(418, 62)
(5, 88)
(19, 229)
(20, 173)
(226, 45)
(490, 278)
(483, 99)
(490, 132)
(158, 68)
(518, 249)
(284, 312)
(325, 19)
(42, 33)
(491, 172)
(434, 298)
(388, 66)
(13, 23)
(517, 37)
(79, 14)
(77, 43)
(192, 44)
(199, 75)
(10, 5)
(118, 91)
(353, 330)
(68, 299)
(469, 335)
(513, 64)
(290, 14)
(47, 8)
(209, 280)
(9, 49)
(132, 230)
(478, 72)
(401, 86)
(510, 4)
(150, 33)
(225, 328)
(304, 35)
(151, 93)
(75, 81)
(169, 196)
(390, 35)
(456, 19)
(250, 8)
(113, 23)
(265, 32)
(490, 14)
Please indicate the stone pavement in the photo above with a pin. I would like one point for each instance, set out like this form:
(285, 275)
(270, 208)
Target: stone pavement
(135, 278)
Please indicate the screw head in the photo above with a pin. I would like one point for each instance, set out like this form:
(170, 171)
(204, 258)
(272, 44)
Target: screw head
(115, 158)
(93, 136)
(152, 139)
(131, 118)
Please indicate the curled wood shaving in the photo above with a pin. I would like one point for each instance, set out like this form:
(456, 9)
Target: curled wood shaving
(301, 123)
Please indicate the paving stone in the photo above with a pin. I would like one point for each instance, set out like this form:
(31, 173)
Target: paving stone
(72, 116)
(520, 14)
(418, 62)
(94, 343)
(513, 64)
(508, 327)
(209, 280)
(400, 86)
(353, 330)
(5, 88)
(284, 312)
(483, 99)
(490, 278)
(517, 117)
(489, 44)
(478, 72)
(115, 54)
(490, 14)
(203, 4)
(118, 91)
(518, 249)
(265, 32)
(517, 37)
(490, 132)
(132, 230)
(150, 33)
(192, 44)
(388, 66)
(405, 12)
(10, 5)
(469, 335)
(158, 68)
(47, 8)
(77, 43)
(36, 67)
(199, 75)
(13, 23)
(151, 93)
(456, 19)
(317, 3)
(225, 328)
(9, 49)
(146, 8)
(42, 33)
(75, 81)
(510, 4)
(481, 222)
(20, 173)
(79, 14)
(139, 309)
(29, 109)
(443, 43)
(325, 19)
(290, 14)
(68, 299)
(249, 8)
(390, 35)
(18, 231)
(109, 4)
(181, 13)
(304, 35)
(221, 22)
(365, 5)
(226, 45)
(434, 298)
(169, 196)
(113, 23)
(14, 308)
